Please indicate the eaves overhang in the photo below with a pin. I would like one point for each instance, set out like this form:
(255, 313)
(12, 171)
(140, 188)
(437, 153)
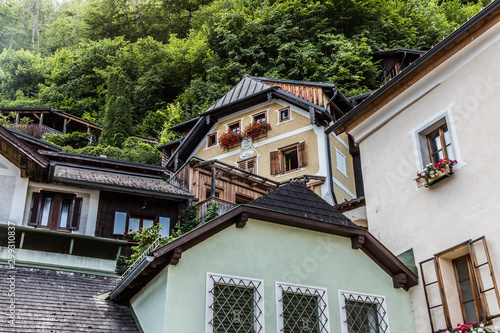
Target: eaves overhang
(171, 253)
(449, 46)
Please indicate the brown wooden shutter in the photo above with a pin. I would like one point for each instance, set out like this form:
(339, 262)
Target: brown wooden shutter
(75, 217)
(302, 154)
(36, 202)
(485, 277)
(275, 162)
(250, 165)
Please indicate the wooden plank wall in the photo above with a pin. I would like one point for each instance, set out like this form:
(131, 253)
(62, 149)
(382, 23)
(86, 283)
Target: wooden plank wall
(309, 93)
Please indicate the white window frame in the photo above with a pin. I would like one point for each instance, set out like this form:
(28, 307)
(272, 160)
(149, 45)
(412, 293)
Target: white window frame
(342, 167)
(419, 138)
(278, 112)
(238, 279)
(325, 318)
(343, 314)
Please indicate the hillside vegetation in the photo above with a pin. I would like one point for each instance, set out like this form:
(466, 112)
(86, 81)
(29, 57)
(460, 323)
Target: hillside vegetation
(160, 62)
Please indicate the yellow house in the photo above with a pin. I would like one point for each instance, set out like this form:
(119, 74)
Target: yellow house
(275, 129)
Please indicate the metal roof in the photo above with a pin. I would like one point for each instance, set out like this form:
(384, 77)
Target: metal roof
(245, 88)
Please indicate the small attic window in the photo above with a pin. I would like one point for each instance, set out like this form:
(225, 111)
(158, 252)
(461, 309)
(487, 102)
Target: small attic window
(259, 117)
(212, 140)
(235, 127)
(284, 114)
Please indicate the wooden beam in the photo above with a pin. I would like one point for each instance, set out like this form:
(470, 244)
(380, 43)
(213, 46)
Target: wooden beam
(243, 220)
(399, 280)
(357, 241)
(176, 256)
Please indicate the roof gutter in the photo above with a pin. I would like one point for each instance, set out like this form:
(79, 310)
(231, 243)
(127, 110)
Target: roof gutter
(126, 282)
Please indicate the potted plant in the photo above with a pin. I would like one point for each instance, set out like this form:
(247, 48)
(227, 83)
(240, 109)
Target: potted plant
(230, 139)
(470, 328)
(433, 173)
(257, 128)
(129, 236)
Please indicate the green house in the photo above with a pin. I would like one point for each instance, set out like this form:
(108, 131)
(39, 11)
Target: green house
(286, 262)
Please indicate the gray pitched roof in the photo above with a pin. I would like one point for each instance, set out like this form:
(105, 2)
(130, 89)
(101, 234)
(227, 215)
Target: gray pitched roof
(107, 179)
(296, 199)
(57, 301)
(244, 88)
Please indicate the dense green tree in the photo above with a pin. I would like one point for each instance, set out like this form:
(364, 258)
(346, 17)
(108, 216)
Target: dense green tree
(117, 117)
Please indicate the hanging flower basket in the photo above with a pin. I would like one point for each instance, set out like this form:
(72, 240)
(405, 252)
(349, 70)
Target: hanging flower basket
(257, 129)
(230, 139)
(434, 173)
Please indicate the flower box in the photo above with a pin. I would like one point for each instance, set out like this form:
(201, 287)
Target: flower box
(434, 173)
(257, 129)
(230, 139)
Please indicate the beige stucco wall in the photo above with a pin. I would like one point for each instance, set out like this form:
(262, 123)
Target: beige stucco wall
(295, 130)
(345, 187)
(464, 206)
(90, 204)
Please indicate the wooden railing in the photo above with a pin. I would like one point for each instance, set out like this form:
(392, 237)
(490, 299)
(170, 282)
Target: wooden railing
(224, 206)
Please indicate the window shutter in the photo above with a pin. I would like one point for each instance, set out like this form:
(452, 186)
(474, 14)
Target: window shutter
(302, 154)
(75, 217)
(251, 165)
(36, 201)
(483, 272)
(275, 162)
(434, 295)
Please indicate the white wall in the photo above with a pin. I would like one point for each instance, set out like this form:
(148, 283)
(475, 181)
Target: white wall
(462, 207)
(13, 190)
(90, 204)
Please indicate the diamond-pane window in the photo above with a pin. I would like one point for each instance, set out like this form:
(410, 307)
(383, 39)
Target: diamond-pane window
(234, 305)
(302, 309)
(363, 313)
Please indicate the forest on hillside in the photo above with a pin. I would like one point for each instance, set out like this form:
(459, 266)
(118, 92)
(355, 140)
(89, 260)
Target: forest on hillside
(145, 65)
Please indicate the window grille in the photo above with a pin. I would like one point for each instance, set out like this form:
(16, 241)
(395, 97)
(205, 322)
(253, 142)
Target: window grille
(363, 313)
(235, 305)
(302, 309)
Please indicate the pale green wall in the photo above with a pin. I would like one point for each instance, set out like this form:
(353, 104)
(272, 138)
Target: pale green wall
(273, 253)
(149, 304)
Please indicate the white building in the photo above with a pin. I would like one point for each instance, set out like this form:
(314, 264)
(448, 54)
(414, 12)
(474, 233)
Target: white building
(449, 97)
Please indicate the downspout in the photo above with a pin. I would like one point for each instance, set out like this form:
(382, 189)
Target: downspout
(329, 167)
(212, 194)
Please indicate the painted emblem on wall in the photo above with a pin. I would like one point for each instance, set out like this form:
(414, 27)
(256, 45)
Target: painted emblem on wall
(246, 143)
(246, 154)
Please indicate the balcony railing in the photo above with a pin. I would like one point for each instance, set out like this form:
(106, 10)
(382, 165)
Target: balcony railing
(224, 206)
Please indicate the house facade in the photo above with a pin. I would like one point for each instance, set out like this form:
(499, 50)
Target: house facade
(293, 145)
(72, 210)
(286, 262)
(442, 107)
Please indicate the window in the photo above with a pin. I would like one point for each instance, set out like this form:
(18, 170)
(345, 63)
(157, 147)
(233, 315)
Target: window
(259, 117)
(248, 165)
(241, 199)
(55, 211)
(361, 313)
(208, 193)
(301, 309)
(235, 127)
(234, 304)
(288, 159)
(435, 139)
(439, 144)
(459, 285)
(341, 164)
(467, 289)
(124, 221)
(284, 114)
(212, 140)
